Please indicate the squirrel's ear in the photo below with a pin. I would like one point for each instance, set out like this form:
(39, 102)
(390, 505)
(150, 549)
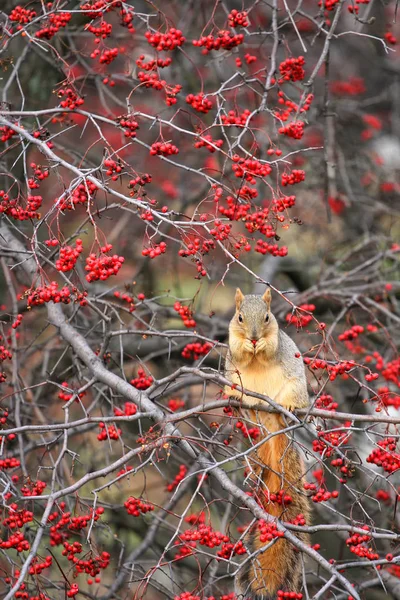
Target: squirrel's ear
(238, 298)
(267, 297)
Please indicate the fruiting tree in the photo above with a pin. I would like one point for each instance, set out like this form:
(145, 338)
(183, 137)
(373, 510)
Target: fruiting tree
(153, 156)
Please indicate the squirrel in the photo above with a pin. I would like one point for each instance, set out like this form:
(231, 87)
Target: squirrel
(264, 359)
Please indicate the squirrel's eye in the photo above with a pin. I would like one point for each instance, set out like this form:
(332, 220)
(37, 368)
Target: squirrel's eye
(267, 318)
(240, 318)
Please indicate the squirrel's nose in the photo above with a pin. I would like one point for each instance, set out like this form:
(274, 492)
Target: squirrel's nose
(254, 342)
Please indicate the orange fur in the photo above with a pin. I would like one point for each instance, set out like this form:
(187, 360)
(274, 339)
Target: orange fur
(276, 466)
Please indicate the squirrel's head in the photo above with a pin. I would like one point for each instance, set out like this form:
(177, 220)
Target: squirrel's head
(253, 318)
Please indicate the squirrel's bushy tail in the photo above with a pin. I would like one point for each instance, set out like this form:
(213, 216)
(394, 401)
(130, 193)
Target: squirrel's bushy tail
(277, 467)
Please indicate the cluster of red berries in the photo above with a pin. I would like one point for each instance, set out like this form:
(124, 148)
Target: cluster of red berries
(319, 493)
(220, 231)
(197, 246)
(135, 507)
(209, 143)
(296, 176)
(165, 41)
(294, 130)
(71, 98)
(292, 107)
(102, 267)
(259, 221)
(147, 215)
(66, 523)
(325, 402)
(94, 8)
(357, 544)
(185, 314)
(91, 566)
(235, 210)
(352, 333)
(37, 567)
(391, 371)
(268, 531)
(371, 376)
(177, 479)
(194, 350)
(107, 56)
(229, 549)
(199, 102)
(49, 293)
(9, 463)
(328, 4)
(17, 518)
(346, 470)
(55, 23)
(386, 398)
(291, 69)
(82, 194)
(384, 496)
(174, 404)
(327, 441)
(126, 298)
(21, 15)
(249, 168)
(17, 321)
(238, 19)
(390, 38)
(248, 432)
(108, 432)
(233, 118)
(273, 249)
(151, 80)
(290, 595)
(206, 536)
(300, 319)
(12, 208)
(68, 257)
(163, 149)
(130, 409)
(340, 368)
(282, 498)
(300, 521)
(353, 87)
(16, 541)
(385, 456)
(4, 355)
(143, 180)
(224, 40)
(142, 381)
(113, 167)
(153, 64)
(66, 395)
(249, 59)
(102, 31)
(156, 250)
(353, 9)
(6, 133)
(281, 204)
(40, 173)
(33, 488)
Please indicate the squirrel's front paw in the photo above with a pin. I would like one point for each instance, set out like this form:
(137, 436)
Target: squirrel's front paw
(291, 406)
(261, 345)
(248, 346)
